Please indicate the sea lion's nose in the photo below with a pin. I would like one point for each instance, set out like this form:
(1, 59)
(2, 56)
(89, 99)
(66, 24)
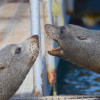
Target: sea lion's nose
(36, 36)
(47, 25)
(33, 38)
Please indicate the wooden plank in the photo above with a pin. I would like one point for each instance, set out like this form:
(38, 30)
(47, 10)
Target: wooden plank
(67, 97)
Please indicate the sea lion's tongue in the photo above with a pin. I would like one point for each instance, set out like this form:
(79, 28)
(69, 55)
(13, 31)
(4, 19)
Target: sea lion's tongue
(56, 49)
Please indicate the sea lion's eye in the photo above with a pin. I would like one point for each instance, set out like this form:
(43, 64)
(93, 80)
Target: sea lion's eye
(17, 51)
(62, 30)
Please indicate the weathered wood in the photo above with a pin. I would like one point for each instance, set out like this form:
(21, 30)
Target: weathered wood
(67, 97)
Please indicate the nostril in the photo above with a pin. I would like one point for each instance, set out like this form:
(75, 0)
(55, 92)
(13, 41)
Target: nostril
(36, 36)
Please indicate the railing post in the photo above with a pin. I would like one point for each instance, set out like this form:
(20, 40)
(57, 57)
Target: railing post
(35, 30)
(51, 73)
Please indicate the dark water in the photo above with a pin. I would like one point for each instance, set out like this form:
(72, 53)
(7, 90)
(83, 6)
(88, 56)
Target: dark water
(72, 79)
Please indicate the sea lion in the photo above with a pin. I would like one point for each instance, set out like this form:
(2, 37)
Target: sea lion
(78, 45)
(15, 63)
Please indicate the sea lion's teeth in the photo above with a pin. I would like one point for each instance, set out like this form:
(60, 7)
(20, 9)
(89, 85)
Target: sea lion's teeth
(54, 53)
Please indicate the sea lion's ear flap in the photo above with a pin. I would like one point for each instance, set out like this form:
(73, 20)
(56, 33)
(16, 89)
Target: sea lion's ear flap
(1, 67)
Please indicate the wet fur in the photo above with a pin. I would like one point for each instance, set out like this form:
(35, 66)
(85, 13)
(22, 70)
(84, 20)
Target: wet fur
(79, 45)
(15, 67)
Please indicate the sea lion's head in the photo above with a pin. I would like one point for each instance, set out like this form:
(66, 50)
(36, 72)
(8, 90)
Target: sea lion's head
(75, 42)
(24, 53)
(66, 38)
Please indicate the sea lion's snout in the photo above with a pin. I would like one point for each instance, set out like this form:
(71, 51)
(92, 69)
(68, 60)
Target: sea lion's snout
(55, 32)
(52, 32)
(47, 25)
(36, 36)
(32, 47)
(34, 39)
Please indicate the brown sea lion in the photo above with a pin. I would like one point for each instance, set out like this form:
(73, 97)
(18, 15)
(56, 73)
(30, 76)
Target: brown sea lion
(15, 63)
(76, 44)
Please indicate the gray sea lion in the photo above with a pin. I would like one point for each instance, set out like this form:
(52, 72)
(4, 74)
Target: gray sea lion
(15, 63)
(76, 44)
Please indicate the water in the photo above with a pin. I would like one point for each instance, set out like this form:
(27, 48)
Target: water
(72, 79)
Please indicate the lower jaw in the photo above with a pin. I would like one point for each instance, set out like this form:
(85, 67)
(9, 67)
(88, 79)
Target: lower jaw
(54, 53)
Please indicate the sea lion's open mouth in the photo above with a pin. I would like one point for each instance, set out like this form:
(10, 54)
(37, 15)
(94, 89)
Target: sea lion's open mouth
(50, 36)
(55, 51)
